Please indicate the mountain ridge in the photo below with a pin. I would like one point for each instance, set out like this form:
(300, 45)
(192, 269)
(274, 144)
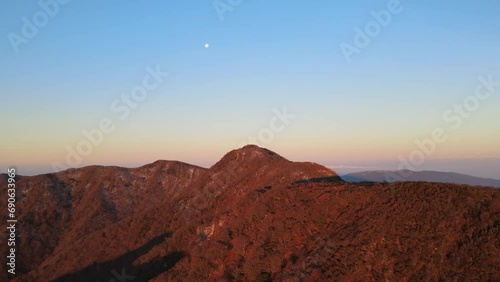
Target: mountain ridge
(253, 215)
(424, 175)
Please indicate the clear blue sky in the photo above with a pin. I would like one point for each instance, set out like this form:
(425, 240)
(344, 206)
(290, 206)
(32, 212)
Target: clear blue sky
(263, 55)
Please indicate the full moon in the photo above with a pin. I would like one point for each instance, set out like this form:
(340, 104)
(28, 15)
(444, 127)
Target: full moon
(207, 45)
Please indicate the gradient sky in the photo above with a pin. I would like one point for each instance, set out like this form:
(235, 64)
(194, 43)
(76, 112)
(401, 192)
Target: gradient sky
(263, 56)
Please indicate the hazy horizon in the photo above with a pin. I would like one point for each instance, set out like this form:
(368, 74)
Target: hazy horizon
(472, 167)
(307, 81)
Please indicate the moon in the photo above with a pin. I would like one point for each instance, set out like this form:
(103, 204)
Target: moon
(207, 45)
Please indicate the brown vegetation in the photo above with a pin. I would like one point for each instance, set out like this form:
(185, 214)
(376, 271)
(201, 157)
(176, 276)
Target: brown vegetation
(253, 216)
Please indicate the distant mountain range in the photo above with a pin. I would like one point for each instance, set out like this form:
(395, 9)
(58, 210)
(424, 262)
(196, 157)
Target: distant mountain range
(425, 175)
(253, 216)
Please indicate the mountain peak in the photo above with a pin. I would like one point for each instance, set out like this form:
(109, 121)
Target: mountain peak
(255, 150)
(250, 153)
